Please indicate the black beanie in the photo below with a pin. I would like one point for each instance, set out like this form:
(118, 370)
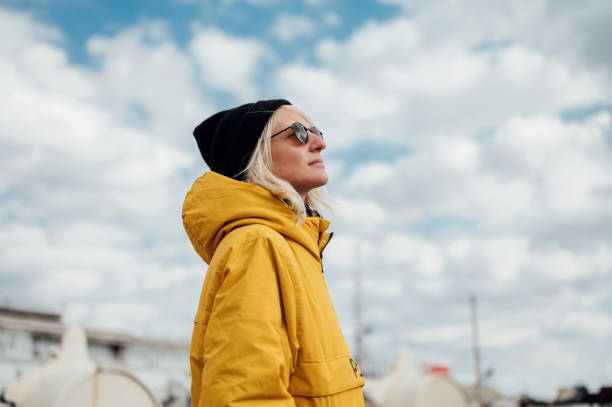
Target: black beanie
(227, 139)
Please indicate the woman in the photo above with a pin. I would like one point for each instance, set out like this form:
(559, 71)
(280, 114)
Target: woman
(265, 331)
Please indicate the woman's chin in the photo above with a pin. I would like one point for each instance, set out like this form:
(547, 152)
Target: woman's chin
(319, 175)
(322, 179)
(314, 181)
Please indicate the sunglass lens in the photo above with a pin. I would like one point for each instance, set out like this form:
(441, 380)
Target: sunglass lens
(300, 132)
(316, 131)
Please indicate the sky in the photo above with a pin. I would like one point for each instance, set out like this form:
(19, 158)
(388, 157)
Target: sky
(469, 148)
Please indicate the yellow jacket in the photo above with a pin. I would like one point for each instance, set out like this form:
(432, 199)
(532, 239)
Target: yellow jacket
(266, 333)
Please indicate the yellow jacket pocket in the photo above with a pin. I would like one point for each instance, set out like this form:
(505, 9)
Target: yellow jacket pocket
(323, 378)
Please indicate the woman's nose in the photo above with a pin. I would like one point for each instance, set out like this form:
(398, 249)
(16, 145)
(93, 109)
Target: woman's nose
(316, 142)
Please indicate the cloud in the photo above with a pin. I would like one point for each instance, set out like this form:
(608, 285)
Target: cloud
(363, 212)
(542, 170)
(598, 324)
(448, 333)
(290, 27)
(413, 253)
(574, 34)
(148, 82)
(228, 63)
(553, 355)
(401, 73)
(504, 215)
(332, 19)
(497, 334)
(87, 188)
(323, 92)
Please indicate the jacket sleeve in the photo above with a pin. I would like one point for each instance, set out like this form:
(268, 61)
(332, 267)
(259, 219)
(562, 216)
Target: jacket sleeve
(246, 359)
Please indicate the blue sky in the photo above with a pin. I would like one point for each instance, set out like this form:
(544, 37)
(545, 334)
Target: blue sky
(82, 18)
(469, 151)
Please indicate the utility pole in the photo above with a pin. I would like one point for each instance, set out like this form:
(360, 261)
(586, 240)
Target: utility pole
(478, 384)
(358, 312)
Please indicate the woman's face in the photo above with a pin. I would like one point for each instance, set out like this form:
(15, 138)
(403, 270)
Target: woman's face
(299, 164)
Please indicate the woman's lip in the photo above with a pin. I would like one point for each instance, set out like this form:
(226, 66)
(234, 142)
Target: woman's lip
(319, 161)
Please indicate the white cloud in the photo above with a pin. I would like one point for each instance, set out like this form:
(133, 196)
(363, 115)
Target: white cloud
(560, 29)
(445, 333)
(227, 62)
(432, 285)
(91, 233)
(459, 154)
(499, 334)
(370, 175)
(89, 190)
(343, 108)
(29, 30)
(506, 255)
(365, 213)
(332, 19)
(345, 253)
(418, 83)
(412, 253)
(459, 247)
(552, 354)
(146, 80)
(598, 324)
(289, 27)
(531, 172)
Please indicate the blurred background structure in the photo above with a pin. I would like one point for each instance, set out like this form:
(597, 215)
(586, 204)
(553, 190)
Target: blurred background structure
(33, 340)
(469, 152)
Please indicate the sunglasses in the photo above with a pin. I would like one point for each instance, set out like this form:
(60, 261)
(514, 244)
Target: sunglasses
(301, 132)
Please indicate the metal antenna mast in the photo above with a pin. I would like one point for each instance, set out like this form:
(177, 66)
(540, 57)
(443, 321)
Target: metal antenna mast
(478, 384)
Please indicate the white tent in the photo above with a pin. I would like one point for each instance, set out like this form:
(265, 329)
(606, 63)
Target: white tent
(403, 387)
(71, 379)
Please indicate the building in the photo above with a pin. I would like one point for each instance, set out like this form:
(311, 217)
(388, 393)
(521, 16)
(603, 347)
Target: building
(29, 338)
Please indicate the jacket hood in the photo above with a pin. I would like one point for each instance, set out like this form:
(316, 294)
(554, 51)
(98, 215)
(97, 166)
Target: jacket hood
(215, 205)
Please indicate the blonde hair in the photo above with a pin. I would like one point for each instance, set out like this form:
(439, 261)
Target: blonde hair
(258, 172)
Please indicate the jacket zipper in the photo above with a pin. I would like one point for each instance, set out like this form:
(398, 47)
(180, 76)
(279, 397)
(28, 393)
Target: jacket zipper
(323, 248)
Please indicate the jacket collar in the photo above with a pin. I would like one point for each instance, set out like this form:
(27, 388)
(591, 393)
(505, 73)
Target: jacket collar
(216, 205)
